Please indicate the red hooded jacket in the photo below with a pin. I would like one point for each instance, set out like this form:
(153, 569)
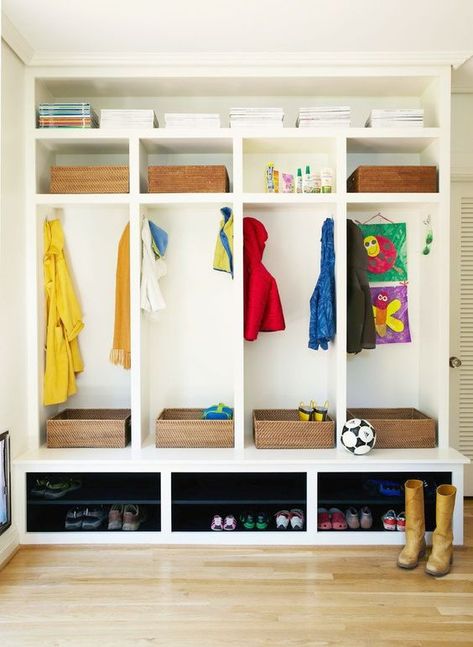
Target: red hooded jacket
(263, 310)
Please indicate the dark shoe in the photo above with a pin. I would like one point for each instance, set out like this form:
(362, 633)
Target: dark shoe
(56, 489)
(93, 518)
(39, 488)
(248, 520)
(262, 521)
(74, 519)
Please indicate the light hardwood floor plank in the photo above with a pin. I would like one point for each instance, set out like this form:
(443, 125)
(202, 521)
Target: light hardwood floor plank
(188, 596)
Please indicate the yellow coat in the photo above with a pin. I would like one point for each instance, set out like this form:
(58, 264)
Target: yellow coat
(63, 320)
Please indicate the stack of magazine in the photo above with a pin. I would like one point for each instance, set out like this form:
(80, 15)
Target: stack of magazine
(396, 117)
(192, 120)
(256, 117)
(67, 115)
(112, 118)
(324, 116)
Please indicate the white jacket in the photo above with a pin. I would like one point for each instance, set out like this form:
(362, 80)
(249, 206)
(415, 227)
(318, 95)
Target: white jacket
(152, 270)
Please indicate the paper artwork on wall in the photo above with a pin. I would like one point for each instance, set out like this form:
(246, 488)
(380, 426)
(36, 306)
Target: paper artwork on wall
(386, 247)
(391, 316)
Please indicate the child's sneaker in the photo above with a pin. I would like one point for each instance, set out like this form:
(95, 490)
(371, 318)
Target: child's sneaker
(115, 517)
(282, 519)
(297, 519)
(217, 523)
(353, 520)
(401, 521)
(230, 522)
(366, 518)
(248, 520)
(132, 517)
(74, 518)
(262, 520)
(389, 519)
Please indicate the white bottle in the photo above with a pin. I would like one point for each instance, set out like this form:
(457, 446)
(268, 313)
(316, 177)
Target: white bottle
(326, 179)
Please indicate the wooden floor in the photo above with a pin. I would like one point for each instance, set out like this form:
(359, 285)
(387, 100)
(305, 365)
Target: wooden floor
(207, 597)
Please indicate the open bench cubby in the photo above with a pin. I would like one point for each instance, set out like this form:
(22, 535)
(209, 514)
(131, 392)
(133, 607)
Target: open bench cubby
(46, 513)
(196, 497)
(380, 491)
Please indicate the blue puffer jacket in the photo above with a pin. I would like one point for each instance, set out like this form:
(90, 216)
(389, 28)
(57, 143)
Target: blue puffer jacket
(322, 301)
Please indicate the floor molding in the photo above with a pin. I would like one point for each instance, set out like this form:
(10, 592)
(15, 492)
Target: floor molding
(9, 544)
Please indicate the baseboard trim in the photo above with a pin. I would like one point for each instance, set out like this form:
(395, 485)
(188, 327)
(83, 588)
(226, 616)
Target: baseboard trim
(9, 544)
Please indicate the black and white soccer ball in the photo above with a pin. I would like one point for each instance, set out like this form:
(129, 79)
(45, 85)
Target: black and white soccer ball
(358, 436)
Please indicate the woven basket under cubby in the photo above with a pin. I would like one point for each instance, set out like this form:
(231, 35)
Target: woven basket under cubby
(89, 179)
(109, 428)
(282, 429)
(185, 428)
(188, 179)
(403, 428)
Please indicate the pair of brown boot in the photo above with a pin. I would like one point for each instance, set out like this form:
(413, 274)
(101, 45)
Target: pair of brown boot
(441, 556)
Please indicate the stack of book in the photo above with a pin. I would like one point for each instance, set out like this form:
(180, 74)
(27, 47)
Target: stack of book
(192, 120)
(128, 119)
(67, 115)
(396, 117)
(324, 116)
(256, 117)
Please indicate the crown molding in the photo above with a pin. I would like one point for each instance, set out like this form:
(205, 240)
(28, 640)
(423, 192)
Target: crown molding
(16, 41)
(223, 60)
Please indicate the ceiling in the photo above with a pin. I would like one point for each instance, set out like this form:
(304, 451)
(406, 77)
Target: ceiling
(143, 26)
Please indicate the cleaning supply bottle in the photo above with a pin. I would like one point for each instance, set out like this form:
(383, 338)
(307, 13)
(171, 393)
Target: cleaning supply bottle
(299, 181)
(307, 180)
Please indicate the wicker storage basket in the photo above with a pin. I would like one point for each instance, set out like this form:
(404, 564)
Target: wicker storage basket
(282, 429)
(399, 428)
(89, 179)
(188, 179)
(89, 428)
(186, 428)
(393, 179)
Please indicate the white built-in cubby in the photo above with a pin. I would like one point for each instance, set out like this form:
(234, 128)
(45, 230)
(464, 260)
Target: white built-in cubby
(193, 353)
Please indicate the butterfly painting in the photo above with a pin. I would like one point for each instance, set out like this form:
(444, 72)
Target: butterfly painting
(390, 311)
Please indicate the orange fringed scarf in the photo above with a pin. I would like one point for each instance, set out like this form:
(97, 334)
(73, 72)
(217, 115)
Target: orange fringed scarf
(121, 351)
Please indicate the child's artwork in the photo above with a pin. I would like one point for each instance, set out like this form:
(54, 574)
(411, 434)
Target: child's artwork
(391, 315)
(386, 248)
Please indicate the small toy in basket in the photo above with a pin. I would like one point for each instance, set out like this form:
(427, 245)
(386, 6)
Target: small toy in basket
(218, 412)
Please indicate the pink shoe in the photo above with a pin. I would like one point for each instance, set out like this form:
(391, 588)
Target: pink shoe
(217, 522)
(338, 519)
(230, 522)
(323, 519)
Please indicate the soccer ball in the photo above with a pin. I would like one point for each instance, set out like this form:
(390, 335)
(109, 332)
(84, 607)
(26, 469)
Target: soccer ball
(358, 436)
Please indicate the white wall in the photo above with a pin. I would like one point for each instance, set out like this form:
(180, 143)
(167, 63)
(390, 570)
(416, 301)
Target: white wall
(462, 133)
(13, 310)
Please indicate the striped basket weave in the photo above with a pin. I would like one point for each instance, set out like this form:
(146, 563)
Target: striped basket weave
(399, 428)
(89, 179)
(109, 428)
(282, 429)
(186, 428)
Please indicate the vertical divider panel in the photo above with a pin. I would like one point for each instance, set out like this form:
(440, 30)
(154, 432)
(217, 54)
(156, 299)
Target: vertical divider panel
(311, 505)
(33, 250)
(166, 502)
(239, 390)
(137, 433)
(341, 283)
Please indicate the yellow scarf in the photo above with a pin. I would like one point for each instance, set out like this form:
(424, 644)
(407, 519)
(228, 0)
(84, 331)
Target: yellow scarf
(121, 351)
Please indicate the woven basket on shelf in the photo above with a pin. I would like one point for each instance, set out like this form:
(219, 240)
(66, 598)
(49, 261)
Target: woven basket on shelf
(282, 429)
(186, 428)
(89, 428)
(393, 179)
(89, 179)
(188, 179)
(398, 428)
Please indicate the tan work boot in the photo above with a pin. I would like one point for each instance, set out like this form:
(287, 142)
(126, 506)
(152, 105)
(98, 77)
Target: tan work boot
(415, 525)
(441, 556)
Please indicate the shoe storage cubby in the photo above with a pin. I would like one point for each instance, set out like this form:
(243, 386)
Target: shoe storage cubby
(379, 491)
(197, 497)
(50, 497)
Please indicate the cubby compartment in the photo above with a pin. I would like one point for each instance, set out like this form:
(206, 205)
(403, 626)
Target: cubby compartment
(288, 154)
(101, 384)
(213, 149)
(280, 370)
(77, 150)
(409, 373)
(380, 491)
(371, 149)
(197, 497)
(187, 354)
(51, 496)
